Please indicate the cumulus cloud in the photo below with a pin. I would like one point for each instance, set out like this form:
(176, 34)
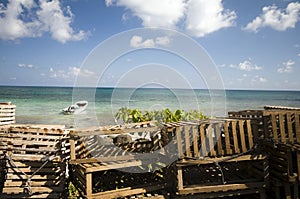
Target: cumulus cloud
(204, 17)
(200, 17)
(138, 42)
(246, 65)
(158, 13)
(287, 67)
(27, 18)
(71, 73)
(276, 18)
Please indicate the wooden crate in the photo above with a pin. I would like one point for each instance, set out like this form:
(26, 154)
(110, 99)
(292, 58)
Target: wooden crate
(217, 144)
(46, 181)
(35, 160)
(282, 125)
(7, 113)
(284, 161)
(283, 190)
(97, 166)
(33, 142)
(256, 116)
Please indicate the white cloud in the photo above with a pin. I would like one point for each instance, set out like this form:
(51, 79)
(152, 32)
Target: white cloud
(138, 42)
(157, 13)
(276, 18)
(259, 79)
(204, 17)
(25, 65)
(57, 23)
(25, 18)
(71, 73)
(200, 17)
(287, 67)
(247, 65)
(299, 54)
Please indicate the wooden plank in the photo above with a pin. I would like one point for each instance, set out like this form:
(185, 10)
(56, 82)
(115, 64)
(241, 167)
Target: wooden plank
(211, 142)
(203, 140)
(195, 141)
(282, 127)
(297, 127)
(180, 177)
(89, 185)
(249, 132)
(242, 135)
(227, 138)
(235, 137)
(274, 126)
(179, 142)
(218, 188)
(217, 128)
(187, 162)
(72, 149)
(115, 166)
(289, 127)
(187, 140)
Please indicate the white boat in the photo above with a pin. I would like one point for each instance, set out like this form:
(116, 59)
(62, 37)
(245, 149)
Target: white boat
(76, 108)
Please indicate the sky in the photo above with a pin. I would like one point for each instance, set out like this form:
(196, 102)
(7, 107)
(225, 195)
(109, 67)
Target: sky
(253, 44)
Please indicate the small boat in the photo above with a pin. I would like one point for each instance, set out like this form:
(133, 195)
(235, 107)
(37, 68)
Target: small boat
(76, 108)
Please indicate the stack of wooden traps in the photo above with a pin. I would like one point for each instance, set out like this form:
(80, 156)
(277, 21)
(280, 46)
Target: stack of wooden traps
(100, 168)
(282, 141)
(34, 161)
(217, 158)
(7, 113)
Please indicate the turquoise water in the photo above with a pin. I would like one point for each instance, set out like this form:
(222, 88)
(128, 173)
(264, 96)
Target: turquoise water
(43, 105)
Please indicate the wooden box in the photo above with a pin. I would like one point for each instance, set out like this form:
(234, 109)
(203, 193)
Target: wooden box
(212, 148)
(34, 161)
(7, 113)
(102, 169)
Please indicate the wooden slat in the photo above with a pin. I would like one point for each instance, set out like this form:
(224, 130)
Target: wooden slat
(217, 128)
(211, 140)
(249, 132)
(234, 135)
(297, 126)
(289, 127)
(218, 188)
(282, 127)
(179, 142)
(242, 135)
(274, 126)
(203, 140)
(187, 140)
(227, 138)
(195, 141)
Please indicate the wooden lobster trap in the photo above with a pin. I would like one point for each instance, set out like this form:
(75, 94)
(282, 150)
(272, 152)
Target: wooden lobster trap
(282, 125)
(218, 158)
(7, 113)
(101, 168)
(284, 161)
(35, 161)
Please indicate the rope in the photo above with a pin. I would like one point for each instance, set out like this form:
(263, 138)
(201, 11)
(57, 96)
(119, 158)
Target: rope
(226, 159)
(27, 186)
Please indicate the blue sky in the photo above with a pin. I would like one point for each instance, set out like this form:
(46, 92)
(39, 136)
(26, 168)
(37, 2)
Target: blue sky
(254, 44)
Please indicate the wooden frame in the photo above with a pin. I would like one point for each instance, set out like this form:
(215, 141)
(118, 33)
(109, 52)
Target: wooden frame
(89, 159)
(219, 141)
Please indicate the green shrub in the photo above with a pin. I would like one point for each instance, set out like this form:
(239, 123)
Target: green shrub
(135, 115)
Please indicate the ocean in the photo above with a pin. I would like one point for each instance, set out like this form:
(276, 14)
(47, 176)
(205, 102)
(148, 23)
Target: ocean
(43, 105)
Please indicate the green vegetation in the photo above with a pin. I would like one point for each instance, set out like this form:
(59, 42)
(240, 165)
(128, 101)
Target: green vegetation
(135, 115)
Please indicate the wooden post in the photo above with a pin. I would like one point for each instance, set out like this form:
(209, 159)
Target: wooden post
(72, 149)
(89, 185)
